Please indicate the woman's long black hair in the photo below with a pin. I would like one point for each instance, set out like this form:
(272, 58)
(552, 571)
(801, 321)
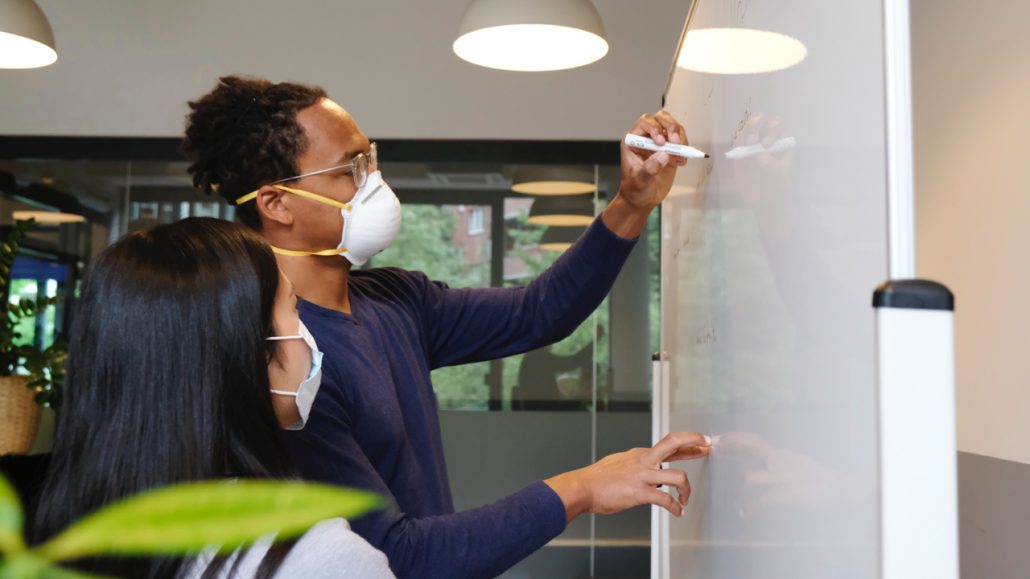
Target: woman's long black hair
(167, 378)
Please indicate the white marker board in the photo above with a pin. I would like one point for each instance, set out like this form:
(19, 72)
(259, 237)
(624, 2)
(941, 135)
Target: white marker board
(770, 253)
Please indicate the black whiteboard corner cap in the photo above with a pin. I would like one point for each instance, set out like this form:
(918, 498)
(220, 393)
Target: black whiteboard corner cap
(914, 294)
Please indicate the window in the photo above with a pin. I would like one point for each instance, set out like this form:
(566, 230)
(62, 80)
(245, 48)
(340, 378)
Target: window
(431, 241)
(476, 225)
(36, 277)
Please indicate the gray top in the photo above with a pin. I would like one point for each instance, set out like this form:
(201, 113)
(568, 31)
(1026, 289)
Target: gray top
(327, 551)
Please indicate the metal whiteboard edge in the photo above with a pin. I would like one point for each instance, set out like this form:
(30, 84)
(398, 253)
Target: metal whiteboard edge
(900, 163)
(679, 46)
(659, 427)
(656, 432)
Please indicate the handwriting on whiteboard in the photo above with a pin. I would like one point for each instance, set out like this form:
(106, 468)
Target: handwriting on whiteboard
(742, 124)
(707, 337)
(740, 10)
(682, 245)
(702, 178)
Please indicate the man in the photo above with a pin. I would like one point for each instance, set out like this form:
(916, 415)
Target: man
(302, 173)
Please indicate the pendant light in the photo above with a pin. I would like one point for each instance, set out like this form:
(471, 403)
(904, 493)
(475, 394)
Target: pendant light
(562, 211)
(550, 180)
(26, 39)
(560, 238)
(48, 217)
(531, 35)
(55, 207)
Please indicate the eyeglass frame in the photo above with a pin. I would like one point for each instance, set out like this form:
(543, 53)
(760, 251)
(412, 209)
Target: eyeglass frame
(371, 165)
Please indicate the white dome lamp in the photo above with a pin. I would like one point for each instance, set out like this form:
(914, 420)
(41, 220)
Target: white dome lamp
(26, 39)
(531, 35)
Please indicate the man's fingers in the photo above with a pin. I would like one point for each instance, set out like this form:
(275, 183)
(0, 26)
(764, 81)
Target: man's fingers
(661, 127)
(675, 442)
(664, 500)
(672, 128)
(674, 478)
(689, 453)
(653, 166)
(647, 125)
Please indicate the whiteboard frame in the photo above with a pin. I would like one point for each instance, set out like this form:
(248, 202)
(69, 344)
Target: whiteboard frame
(660, 403)
(941, 532)
(900, 162)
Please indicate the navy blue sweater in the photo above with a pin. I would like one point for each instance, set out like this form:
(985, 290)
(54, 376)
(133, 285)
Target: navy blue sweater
(375, 425)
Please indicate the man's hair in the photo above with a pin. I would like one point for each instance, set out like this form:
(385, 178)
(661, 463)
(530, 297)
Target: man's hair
(243, 135)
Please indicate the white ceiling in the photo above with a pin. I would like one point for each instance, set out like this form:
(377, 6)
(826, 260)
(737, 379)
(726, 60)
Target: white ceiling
(127, 68)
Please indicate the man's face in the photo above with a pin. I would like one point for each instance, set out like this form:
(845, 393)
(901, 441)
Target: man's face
(333, 138)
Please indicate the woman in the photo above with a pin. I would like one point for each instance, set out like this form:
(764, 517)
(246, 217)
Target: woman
(186, 357)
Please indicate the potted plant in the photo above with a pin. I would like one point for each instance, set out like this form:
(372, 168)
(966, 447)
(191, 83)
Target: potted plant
(178, 520)
(23, 394)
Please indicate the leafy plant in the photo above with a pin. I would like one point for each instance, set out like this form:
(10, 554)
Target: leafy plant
(179, 520)
(45, 367)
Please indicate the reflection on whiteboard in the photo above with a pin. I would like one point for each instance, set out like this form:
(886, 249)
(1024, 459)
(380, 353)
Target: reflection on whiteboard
(769, 252)
(777, 146)
(739, 51)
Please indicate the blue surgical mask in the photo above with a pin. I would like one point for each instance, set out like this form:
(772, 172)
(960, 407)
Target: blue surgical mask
(305, 394)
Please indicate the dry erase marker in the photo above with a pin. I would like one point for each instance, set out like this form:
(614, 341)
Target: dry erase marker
(686, 151)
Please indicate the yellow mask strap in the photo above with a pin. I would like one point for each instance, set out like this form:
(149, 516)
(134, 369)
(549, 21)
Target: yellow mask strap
(298, 253)
(313, 196)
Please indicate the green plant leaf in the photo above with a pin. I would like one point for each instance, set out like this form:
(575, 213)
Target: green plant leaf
(11, 520)
(55, 572)
(187, 518)
(29, 566)
(22, 566)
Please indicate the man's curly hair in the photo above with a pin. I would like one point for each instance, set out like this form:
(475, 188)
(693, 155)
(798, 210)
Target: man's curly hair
(244, 134)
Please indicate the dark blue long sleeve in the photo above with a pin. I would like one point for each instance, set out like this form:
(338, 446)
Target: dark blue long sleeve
(481, 542)
(374, 424)
(471, 325)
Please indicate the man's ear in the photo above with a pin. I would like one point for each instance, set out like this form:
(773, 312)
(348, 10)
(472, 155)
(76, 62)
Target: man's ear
(271, 205)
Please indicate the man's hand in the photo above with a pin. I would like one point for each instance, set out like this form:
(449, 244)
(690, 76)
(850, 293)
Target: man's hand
(628, 479)
(646, 177)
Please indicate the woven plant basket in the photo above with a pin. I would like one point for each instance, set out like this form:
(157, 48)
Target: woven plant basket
(19, 416)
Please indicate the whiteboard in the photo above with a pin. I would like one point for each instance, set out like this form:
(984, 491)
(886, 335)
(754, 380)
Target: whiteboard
(769, 259)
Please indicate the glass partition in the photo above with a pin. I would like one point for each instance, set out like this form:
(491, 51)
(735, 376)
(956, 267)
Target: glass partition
(505, 422)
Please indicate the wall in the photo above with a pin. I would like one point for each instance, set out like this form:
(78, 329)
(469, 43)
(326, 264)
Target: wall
(128, 68)
(971, 82)
(528, 446)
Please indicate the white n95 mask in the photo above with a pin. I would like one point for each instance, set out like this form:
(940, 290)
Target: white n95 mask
(370, 221)
(305, 394)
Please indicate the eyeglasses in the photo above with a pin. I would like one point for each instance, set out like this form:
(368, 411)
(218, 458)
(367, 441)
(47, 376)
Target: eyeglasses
(360, 166)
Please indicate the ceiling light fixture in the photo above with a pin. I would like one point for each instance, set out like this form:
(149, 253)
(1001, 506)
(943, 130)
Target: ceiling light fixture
(26, 39)
(531, 35)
